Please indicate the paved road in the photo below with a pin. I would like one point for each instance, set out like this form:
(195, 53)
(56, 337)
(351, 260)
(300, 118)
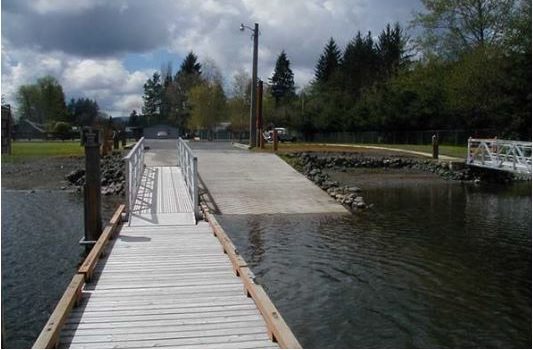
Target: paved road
(244, 182)
(161, 152)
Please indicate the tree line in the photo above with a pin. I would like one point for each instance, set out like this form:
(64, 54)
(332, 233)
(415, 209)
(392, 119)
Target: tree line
(469, 68)
(43, 102)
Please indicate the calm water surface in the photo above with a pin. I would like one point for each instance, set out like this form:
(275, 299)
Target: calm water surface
(40, 254)
(433, 264)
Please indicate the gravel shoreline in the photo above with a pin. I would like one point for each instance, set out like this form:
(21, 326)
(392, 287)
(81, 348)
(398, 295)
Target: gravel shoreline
(39, 173)
(63, 173)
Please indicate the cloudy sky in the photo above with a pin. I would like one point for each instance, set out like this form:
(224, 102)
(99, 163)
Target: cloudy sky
(105, 50)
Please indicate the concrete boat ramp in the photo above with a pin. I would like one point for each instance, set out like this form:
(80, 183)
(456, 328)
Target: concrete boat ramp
(168, 277)
(244, 182)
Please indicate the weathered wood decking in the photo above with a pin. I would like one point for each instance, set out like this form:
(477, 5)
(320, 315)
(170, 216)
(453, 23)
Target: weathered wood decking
(164, 280)
(165, 287)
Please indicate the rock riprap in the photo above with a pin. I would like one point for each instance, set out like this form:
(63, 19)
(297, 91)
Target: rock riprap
(113, 180)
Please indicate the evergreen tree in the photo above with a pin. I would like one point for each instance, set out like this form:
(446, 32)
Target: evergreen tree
(190, 65)
(188, 76)
(282, 80)
(83, 111)
(359, 64)
(152, 96)
(391, 50)
(328, 63)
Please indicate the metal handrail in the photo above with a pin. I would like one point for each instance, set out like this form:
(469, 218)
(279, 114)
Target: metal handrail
(514, 156)
(188, 163)
(134, 170)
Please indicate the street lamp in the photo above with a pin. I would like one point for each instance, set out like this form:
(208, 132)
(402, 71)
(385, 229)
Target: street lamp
(255, 35)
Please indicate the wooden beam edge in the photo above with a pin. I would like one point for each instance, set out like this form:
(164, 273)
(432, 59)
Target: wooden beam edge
(89, 263)
(49, 336)
(277, 327)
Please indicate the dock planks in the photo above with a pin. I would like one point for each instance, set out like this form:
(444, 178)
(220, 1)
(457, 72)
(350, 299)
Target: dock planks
(172, 287)
(165, 281)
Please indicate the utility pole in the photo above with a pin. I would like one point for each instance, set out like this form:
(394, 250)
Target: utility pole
(253, 104)
(253, 107)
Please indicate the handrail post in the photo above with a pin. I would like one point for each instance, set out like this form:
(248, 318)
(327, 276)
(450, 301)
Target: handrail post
(195, 187)
(468, 152)
(134, 169)
(189, 169)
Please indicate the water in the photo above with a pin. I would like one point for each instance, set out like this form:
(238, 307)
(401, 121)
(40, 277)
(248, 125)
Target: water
(433, 265)
(40, 254)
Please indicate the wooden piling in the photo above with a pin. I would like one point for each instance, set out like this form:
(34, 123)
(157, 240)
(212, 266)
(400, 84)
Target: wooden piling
(91, 190)
(275, 139)
(435, 144)
(260, 139)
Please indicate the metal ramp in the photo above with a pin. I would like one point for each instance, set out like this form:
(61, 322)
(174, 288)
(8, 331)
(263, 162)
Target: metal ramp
(505, 155)
(162, 199)
(163, 191)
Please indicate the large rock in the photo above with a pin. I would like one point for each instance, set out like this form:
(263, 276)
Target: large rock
(75, 175)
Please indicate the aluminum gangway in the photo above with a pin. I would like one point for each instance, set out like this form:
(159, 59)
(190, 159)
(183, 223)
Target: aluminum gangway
(164, 279)
(505, 155)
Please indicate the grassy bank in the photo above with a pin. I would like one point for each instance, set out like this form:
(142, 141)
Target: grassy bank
(451, 151)
(40, 149)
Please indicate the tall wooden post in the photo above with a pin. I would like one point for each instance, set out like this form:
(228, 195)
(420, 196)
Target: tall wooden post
(253, 136)
(115, 140)
(91, 190)
(6, 129)
(435, 144)
(260, 139)
(275, 139)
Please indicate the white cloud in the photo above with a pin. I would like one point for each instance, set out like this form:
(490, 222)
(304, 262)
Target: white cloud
(301, 28)
(116, 90)
(85, 40)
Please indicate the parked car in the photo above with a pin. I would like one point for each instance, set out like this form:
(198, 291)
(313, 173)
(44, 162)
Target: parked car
(162, 134)
(283, 135)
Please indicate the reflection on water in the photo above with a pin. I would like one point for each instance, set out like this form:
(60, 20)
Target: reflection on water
(40, 253)
(434, 264)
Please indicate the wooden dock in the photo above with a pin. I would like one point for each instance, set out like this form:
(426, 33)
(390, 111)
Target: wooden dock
(164, 280)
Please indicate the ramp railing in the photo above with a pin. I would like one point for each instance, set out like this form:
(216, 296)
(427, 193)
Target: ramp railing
(134, 162)
(507, 155)
(188, 163)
